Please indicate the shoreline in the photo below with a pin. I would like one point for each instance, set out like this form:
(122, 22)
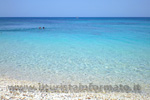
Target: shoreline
(6, 94)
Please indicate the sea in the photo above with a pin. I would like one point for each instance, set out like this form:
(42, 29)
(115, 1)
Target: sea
(70, 50)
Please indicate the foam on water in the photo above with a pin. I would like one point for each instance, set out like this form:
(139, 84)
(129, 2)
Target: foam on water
(97, 50)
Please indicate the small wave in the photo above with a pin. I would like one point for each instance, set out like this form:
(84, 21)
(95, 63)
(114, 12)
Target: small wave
(21, 29)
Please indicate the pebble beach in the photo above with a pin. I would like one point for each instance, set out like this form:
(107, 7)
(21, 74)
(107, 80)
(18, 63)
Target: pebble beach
(5, 94)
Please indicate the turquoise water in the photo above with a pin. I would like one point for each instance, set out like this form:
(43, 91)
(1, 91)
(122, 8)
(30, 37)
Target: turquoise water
(70, 50)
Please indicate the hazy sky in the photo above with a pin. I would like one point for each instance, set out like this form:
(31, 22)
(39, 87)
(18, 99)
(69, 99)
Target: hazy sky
(74, 8)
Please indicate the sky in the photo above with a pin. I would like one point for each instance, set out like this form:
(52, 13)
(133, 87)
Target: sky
(74, 8)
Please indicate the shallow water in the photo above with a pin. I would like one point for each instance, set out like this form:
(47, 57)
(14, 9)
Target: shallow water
(70, 50)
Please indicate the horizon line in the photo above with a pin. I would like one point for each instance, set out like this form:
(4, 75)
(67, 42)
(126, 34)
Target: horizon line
(75, 17)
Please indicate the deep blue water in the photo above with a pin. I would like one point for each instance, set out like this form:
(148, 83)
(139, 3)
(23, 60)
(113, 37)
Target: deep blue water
(76, 50)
